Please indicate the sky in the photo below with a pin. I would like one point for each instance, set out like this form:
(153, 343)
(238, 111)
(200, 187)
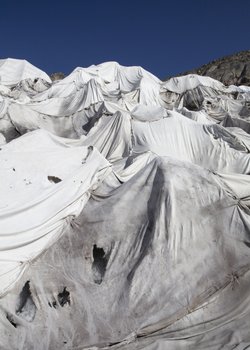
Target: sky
(164, 37)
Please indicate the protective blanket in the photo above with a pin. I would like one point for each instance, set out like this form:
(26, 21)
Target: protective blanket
(13, 71)
(124, 211)
(44, 183)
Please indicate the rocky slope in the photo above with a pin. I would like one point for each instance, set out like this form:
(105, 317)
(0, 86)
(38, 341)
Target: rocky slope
(230, 70)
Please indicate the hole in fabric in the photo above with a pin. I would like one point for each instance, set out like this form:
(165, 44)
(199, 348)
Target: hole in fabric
(99, 264)
(53, 304)
(11, 320)
(54, 179)
(247, 244)
(25, 306)
(235, 95)
(64, 297)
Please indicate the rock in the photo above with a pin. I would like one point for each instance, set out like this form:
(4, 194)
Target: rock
(57, 76)
(230, 70)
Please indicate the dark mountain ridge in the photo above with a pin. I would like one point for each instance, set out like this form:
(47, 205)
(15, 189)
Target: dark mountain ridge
(230, 70)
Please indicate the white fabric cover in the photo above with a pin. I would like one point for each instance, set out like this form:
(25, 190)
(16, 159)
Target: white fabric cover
(124, 211)
(12, 71)
(34, 210)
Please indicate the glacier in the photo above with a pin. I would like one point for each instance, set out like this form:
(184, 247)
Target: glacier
(124, 210)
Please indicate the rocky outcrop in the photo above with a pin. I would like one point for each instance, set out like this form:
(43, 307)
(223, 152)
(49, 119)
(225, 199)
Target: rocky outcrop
(230, 70)
(57, 76)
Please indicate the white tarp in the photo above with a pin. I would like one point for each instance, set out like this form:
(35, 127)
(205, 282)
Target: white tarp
(124, 211)
(12, 71)
(44, 183)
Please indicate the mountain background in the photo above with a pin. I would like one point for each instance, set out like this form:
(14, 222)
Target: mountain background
(230, 70)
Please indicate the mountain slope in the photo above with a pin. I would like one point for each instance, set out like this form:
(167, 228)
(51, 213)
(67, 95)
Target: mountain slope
(230, 70)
